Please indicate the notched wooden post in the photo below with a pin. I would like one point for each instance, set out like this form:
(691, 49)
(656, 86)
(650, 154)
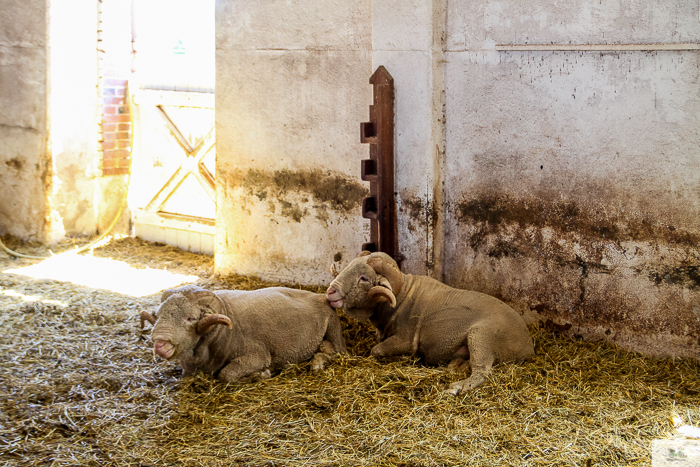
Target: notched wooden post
(378, 170)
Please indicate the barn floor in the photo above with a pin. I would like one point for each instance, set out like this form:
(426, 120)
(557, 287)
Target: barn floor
(79, 386)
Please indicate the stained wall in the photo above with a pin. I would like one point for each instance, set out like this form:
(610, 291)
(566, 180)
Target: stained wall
(50, 183)
(291, 91)
(572, 177)
(24, 165)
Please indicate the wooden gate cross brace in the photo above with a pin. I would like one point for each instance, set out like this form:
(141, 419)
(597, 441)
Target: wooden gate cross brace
(191, 165)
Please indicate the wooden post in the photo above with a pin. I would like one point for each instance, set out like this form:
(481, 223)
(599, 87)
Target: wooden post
(378, 170)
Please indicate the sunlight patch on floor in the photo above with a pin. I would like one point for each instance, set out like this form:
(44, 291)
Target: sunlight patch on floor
(31, 298)
(103, 273)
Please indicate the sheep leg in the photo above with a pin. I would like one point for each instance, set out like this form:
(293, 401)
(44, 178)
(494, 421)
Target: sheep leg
(326, 353)
(332, 344)
(255, 377)
(247, 367)
(334, 336)
(481, 361)
(392, 346)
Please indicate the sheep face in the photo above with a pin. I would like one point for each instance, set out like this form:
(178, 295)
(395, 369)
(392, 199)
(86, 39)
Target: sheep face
(359, 288)
(181, 322)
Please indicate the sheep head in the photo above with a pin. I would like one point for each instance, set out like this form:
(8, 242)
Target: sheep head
(183, 318)
(369, 279)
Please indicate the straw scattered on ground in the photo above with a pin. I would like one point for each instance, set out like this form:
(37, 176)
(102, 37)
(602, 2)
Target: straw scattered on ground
(79, 386)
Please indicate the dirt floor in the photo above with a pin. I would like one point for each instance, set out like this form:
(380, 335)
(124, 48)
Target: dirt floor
(79, 385)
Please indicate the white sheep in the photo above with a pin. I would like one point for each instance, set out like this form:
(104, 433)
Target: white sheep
(418, 315)
(242, 335)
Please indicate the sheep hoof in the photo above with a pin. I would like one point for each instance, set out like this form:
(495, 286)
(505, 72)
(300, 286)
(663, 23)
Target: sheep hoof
(319, 361)
(459, 387)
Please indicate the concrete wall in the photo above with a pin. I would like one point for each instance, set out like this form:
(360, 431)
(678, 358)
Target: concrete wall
(74, 197)
(291, 90)
(572, 177)
(563, 182)
(407, 39)
(50, 183)
(24, 166)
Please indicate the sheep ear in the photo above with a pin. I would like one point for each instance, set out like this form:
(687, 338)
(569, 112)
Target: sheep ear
(334, 269)
(207, 323)
(184, 289)
(364, 253)
(146, 316)
(206, 298)
(381, 294)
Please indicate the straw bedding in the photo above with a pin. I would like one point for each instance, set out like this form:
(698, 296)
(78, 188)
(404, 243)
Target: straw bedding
(79, 386)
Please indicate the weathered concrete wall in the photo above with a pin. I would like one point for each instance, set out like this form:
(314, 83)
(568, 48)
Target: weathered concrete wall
(75, 191)
(50, 183)
(24, 169)
(407, 41)
(572, 178)
(291, 91)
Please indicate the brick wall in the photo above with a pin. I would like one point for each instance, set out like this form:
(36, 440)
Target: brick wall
(115, 127)
(116, 55)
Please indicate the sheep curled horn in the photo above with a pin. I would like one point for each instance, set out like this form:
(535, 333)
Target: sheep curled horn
(390, 288)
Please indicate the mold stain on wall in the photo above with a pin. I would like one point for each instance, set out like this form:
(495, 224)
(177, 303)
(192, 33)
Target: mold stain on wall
(15, 164)
(297, 194)
(417, 214)
(568, 216)
(591, 270)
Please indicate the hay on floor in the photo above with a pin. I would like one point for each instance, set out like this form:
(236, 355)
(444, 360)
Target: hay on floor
(79, 386)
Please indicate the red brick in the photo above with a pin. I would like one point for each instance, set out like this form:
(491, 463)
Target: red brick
(113, 92)
(109, 110)
(113, 101)
(124, 127)
(109, 145)
(108, 127)
(111, 136)
(116, 118)
(116, 171)
(117, 154)
(122, 144)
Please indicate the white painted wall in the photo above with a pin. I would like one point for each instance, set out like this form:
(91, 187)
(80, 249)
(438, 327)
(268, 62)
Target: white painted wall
(291, 91)
(572, 177)
(74, 196)
(407, 41)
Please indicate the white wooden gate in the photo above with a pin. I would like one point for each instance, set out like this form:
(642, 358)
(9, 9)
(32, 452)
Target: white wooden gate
(172, 192)
(173, 188)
